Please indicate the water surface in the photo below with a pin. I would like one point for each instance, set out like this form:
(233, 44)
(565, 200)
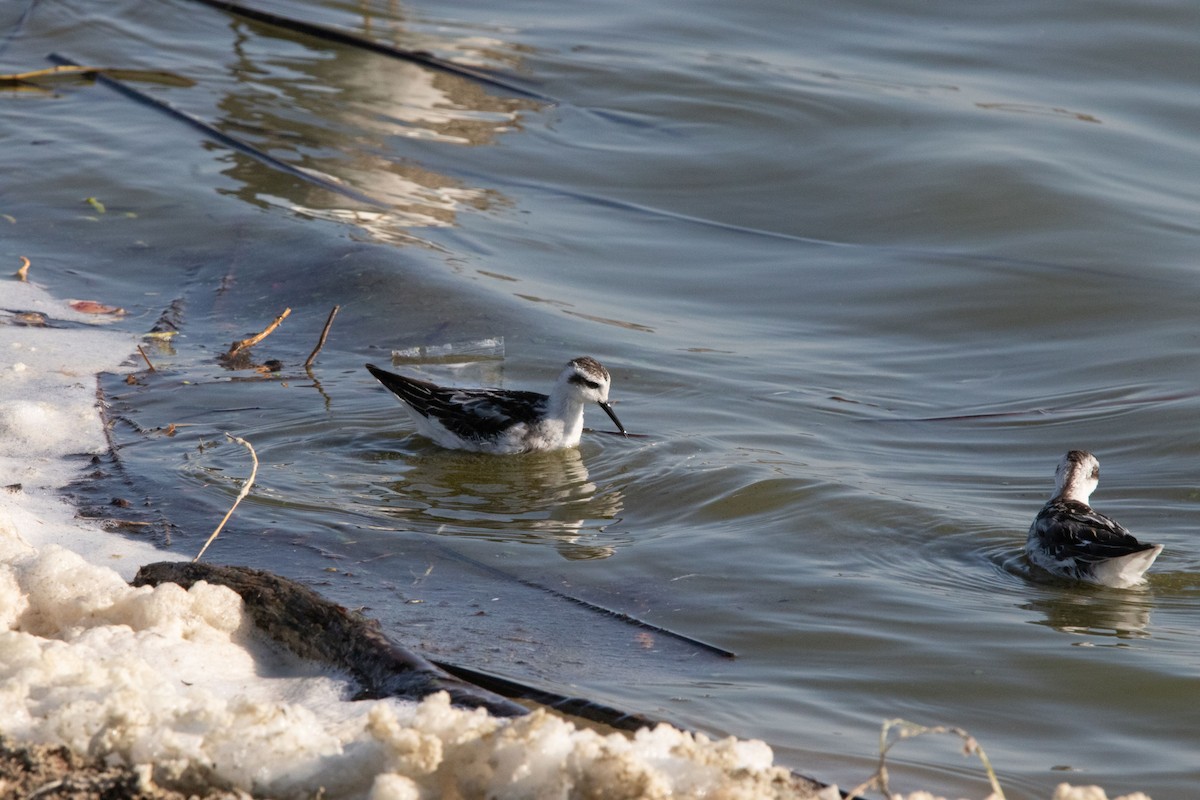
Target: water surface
(862, 272)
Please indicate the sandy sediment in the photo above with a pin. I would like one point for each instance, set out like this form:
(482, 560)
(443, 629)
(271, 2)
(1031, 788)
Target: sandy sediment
(49, 772)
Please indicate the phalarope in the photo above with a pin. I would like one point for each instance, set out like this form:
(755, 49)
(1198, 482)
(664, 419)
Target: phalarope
(505, 420)
(1069, 539)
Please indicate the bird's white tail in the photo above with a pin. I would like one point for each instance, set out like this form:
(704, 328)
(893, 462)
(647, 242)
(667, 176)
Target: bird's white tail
(1125, 571)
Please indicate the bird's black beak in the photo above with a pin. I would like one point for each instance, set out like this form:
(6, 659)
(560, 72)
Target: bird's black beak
(611, 415)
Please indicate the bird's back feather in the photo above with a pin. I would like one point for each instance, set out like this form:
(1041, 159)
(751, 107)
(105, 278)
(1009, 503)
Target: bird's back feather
(1068, 538)
(467, 413)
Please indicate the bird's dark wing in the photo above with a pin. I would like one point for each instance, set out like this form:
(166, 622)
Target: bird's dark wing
(470, 413)
(483, 413)
(1071, 530)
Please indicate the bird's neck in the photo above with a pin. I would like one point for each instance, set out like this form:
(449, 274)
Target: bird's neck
(1078, 491)
(568, 410)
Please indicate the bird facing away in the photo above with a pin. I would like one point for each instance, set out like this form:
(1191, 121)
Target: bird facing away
(505, 420)
(1069, 539)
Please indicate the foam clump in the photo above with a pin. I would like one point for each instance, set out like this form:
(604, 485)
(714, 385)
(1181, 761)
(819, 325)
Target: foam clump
(469, 754)
(158, 676)
(177, 679)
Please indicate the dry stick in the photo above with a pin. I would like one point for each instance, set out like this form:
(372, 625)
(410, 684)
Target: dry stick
(245, 491)
(909, 730)
(321, 342)
(146, 358)
(237, 347)
(34, 77)
(23, 272)
(18, 78)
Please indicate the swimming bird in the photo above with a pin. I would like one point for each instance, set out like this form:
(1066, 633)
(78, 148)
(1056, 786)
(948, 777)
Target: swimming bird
(505, 420)
(1069, 539)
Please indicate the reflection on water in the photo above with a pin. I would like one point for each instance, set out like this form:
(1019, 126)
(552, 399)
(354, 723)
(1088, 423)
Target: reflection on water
(539, 498)
(1123, 614)
(338, 112)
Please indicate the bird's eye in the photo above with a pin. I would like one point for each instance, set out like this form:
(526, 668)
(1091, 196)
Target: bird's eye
(1096, 473)
(588, 383)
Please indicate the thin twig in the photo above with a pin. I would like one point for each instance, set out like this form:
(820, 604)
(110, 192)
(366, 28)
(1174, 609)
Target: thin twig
(245, 491)
(19, 78)
(146, 358)
(237, 347)
(321, 342)
(38, 77)
(23, 272)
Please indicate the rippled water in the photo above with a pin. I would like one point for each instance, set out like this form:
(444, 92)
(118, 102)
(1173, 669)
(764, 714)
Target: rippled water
(861, 272)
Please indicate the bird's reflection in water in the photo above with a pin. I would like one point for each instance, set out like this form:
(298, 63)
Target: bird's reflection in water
(1119, 614)
(540, 498)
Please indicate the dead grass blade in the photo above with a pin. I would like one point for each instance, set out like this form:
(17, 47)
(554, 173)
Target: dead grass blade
(241, 495)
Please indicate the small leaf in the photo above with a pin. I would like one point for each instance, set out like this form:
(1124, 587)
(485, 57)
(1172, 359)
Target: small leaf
(92, 307)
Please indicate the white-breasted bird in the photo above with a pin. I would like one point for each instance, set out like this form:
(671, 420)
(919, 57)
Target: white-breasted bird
(505, 420)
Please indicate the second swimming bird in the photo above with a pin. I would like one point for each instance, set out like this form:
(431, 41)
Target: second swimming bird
(1069, 539)
(505, 420)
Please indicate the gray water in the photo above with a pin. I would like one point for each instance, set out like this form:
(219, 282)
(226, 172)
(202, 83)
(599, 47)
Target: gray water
(862, 272)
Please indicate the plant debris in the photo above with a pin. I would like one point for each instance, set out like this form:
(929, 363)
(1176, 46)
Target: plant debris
(94, 307)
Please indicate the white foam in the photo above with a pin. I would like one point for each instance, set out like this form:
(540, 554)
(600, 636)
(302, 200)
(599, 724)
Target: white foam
(177, 679)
